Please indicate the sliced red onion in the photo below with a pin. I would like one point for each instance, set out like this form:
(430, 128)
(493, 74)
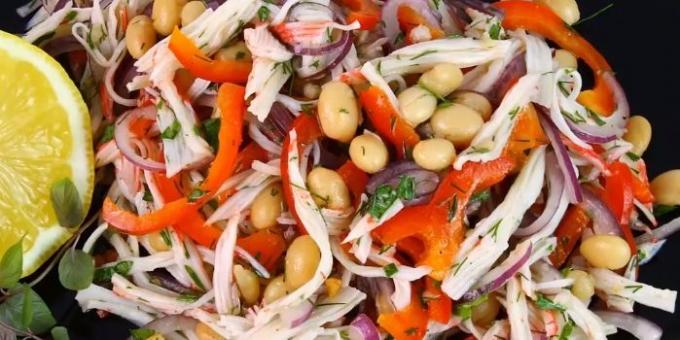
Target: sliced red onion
(123, 138)
(333, 154)
(342, 51)
(168, 325)
(502, 279)
(366, 327)
(161, 277)
(425, 181)
(661, 232)
(481, 6)
(125, 72)
(555, 187)
(604, 221)
(52, 6)
(638, 326)
(389, 15)
(276, 125)
(614, 125)
(563, 158)
(213, 4)
(515, 69)
(295, 316)
(62, 45)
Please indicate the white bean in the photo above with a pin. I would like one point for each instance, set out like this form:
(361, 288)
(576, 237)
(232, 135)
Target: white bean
(368, 153)
(416, 105)
(606, 251)
(338, 111)
(457, 123)
(434, 154)
(442, 79)
(638, 133)
(328, 189)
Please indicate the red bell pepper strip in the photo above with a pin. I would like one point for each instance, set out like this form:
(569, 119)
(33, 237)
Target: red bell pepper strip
(568, 233)
(106, 103)
(618, 194)
(355, 179)
(307, 130)
(540, 19)
(232, 107)
(409, 323)
(130, 223)
(438, 304)
(409, 19)
(641, 189)
(265, 246)
(196, 62)
(386, 119)
(366, 12)
(430, 225)
(252, 152)
(526, 135)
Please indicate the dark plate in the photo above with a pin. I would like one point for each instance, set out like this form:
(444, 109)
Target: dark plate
(638, 38)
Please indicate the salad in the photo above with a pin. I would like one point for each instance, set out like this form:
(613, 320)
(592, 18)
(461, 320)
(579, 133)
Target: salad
(359, 169)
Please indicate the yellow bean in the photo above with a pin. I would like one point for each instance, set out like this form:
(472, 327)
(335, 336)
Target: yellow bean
(583, 286)
(442, 79)
(666, 188)
(457, 123)
(236, 51)
(638, 133)
(567, 10)
(564, 59)
(276, 289)
(338, 111)
(369, 153)
(139, 36)
(302, 258)
(333, 286)
(606, 251)
(267, 207)
(475, 101)
(204, 332)
(248, 284)
(191, 11)
(434, 154)
(416, 105)
(328, 189)
(165, 15)
(485, 313)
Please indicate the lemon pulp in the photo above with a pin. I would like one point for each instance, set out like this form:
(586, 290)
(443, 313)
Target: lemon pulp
(44, 137)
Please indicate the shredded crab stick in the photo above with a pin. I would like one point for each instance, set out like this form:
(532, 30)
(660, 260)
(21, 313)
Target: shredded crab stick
(236, 235)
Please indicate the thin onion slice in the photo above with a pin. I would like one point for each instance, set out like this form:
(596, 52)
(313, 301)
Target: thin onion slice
(513, 266)
(366, 327)
(556, 186)
(123, 138)
(604, 221)
(638, 326)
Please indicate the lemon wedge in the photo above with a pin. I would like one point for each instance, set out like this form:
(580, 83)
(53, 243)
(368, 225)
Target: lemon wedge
(45, 136)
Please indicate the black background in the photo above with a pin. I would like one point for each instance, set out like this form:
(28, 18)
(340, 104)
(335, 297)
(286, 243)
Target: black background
(639, 38)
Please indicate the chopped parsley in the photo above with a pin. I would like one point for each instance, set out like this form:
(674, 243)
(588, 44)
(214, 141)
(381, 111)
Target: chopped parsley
(108, 134)
(104, 274)
(406, 188)
(543, 302)
(188, 297)
(594, 15)
(478, 149)
(662, 209)
(423, 53)
(464, 310)
(566, 330)
(386, 195)
(385, 248)
(315, 64)
(194, 277)
(141, 333)
(165, 235)
(453, 209)
(575, 117)
(633, 157)
(480, 196)
(634, 288)
(495, 31)
(390, 269)
(399, 38)
(171, 131)
(494, 229)
(344, 110)
(195, 194)
(595, 117)
(263, 13)
(211, 127)
(514, 112)
(148, 197)
(344, 335)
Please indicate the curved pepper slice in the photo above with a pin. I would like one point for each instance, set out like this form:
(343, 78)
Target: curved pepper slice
(307, 130)
(264, 246)
(568, 233)
(132, 224)
(232, 107)
(540, 19)
(355, 179)
(618, 194)
(198, 64)
(366, 12)
(387, 121)
(438, 304)
(409, 19)
(408, 323)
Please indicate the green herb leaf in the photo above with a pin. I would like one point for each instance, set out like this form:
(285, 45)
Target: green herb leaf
(494, 229)
(66, 203)
(543, 302)
(165, 234)
(568, 327)
(188, 297)
(423, 53)
(172, 130)
(575, 117)
(595, 117)
(13, 312)
(194, 277)
(59, 333)
(634, 288)
(104, 274)
(453, 209)
(594, 15)
(480, 196)
(148, 197)
(11, 265)
(142, 333)
(406, 188)
(495, 31)
(464, 310)
(381, 200)
(212, 130)
(195, 194)
(390, 269)
(263, 13)
(76, 270)
(633, 157)
(662, 209)
(514, 112)
(107, 135)
(344, 335)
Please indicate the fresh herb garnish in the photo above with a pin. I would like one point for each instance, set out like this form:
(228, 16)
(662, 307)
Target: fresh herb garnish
(480, 196)
(195, 194)
(165, 235)
(543, 302)
(386, 195)
(172, 130)
(390, 269)
(662, 209)
(423, 53)
(464, 310)
(194, 277)
(66, 203)
(104, 274)
(142, 333)
(11, 265)
(107, 135)
(567, 329)
(495, 31)
(514, 112)
(76, 269)
(575, 117)
(494, 229)
(595, 117)
(634, 288)
(211, 128)
(633, 157)
(263, 13)
(594, 15)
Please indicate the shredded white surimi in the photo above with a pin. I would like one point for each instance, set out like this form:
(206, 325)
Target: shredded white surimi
(314, 224)
(147, 263)
(265, 81)
(257, 266)
(614, 284)
(498, 330)
(163, 303)
(131, 314)
(270, 168)
(494, 134)
(403, 272)
(516, 306)
(586, 320)
(549, 286)
(482, 77)
(227, 326)
(238, 202)
(262, 44)
(224, 261)
(487, 242)
(368, 222)
(94, 236)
